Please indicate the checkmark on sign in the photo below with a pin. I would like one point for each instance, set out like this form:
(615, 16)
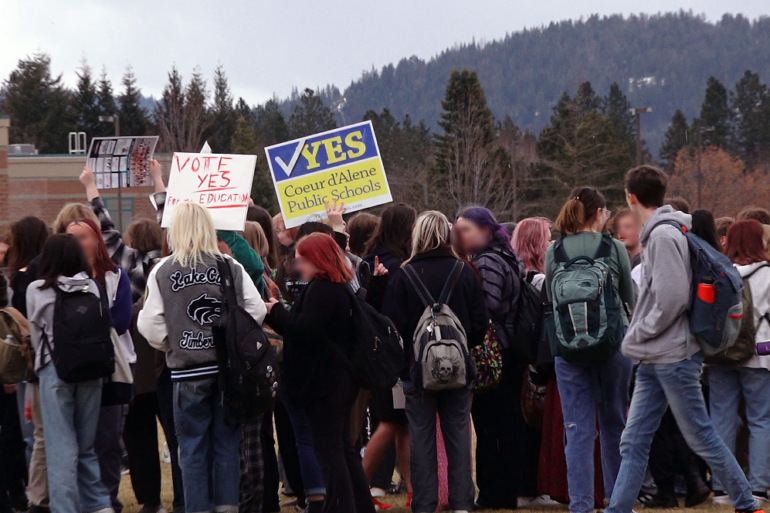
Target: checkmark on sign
(288, 168)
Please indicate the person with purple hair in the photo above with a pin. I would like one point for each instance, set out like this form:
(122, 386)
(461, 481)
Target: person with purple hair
(497, 414)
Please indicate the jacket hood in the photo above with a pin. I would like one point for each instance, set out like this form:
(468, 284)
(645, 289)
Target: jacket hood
(74, 283)
(664, 213)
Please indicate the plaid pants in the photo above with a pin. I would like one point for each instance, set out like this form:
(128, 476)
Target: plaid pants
(252, 468)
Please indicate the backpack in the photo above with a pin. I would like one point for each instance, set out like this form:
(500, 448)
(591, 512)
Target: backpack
(16, 354)
(248, 364)
(588, 325)
(745, 345)
(83, 348)
(716, 309)
(440, 344)
(378, 350)
(529, 320)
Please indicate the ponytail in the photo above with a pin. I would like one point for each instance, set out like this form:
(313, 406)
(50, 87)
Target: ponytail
(580, 210)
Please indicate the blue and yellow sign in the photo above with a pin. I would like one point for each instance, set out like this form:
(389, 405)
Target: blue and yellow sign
(343, 164)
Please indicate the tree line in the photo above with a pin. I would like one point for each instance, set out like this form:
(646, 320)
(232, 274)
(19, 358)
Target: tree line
(472, 158)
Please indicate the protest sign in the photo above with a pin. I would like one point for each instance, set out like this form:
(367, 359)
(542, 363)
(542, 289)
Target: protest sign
(343, 164)
(221, 183)
(119, 162)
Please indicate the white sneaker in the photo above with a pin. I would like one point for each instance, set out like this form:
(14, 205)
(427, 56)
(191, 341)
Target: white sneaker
(166, 457)
(460, 511)
(721, 499)
(541, 501)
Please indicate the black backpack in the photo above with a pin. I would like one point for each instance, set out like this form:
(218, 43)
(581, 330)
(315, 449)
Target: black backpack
(82, 349)
(248, 364)
(377, 354)
(529, 321)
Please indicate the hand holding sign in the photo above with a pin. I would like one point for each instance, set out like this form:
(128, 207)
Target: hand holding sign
(221, 183)
(341, 165)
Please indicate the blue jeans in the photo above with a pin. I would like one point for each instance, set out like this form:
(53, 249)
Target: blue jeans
(208, 447)
(579, 386)
(659, 385)
(312, 476)
(70, 414)
(727, 385)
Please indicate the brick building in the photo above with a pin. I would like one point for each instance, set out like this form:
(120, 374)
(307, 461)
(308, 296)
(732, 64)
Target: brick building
(39, 185)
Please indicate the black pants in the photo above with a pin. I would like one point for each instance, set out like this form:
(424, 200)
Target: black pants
(499, 427)
(165, 396)
(13, 466)
(107, 445)
(287, 445)
(140, 435)
(347, 490)
(670, 455)
(271, 479)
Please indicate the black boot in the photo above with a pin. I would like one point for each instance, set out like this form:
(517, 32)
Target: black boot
(663, 500)
(697, 489)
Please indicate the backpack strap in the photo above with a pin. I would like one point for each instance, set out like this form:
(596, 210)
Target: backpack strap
(419, 286)
(764, 264)
(228, 287)
(605, 247)
(450, 285)
(559, 253)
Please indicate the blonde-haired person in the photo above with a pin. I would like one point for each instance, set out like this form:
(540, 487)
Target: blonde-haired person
(581, 223)
(70, 213)
(184, 300)
(433, 260)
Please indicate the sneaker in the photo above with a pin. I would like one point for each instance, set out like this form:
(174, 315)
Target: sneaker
(760, 497)
(749, 511)
(408, 501)
(663, 502)
(379, 506)
(541, 501)
(152, 509)
(720, 499)
(166, 457)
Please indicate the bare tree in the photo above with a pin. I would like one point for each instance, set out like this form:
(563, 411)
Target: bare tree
(182, 113)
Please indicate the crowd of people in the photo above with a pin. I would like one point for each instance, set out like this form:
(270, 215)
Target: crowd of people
(563, 346)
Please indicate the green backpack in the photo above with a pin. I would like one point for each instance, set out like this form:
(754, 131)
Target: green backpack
(745, 346)
(587, 318)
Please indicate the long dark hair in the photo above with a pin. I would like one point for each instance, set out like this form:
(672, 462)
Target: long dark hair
(262, 216)
(395, 231)
(579, 210)
(703, 226)
(61, 256)
(28, 236)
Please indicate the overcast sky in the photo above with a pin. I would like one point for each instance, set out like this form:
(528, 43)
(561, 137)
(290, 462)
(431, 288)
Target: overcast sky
(268, 47)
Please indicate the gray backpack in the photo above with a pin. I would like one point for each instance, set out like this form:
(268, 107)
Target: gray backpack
(440, 344)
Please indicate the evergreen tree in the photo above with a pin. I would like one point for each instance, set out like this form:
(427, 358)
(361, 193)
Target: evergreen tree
(578, 147)
(618, 111)
(270, 124)
(133, 117)
(586, 97)
(464, 105)
(245, 142)
(242, 109)
(85, 103)
(39, 106)
(223, 114)
(677, 137)
(715, 119)
(310, 116)
(751, 104)
(106, 103)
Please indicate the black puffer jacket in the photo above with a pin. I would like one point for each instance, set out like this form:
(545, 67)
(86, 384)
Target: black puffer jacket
(500, 271)
(403, 305)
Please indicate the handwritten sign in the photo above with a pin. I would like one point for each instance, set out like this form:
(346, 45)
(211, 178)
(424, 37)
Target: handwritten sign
(221, 183)
(342, 164)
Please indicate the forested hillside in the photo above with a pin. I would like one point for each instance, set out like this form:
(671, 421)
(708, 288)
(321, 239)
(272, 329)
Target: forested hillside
(660, 61)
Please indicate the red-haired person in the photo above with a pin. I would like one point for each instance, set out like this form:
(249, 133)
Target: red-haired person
(118, 288)
(315, 331)
(749, 380)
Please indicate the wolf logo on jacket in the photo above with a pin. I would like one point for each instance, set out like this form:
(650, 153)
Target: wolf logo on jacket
(204, 309)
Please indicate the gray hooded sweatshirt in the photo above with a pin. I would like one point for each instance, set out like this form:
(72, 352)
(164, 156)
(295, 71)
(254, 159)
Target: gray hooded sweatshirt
(658, 332)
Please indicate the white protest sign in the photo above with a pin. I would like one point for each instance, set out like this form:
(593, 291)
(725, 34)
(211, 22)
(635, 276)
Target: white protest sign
(221, 183)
